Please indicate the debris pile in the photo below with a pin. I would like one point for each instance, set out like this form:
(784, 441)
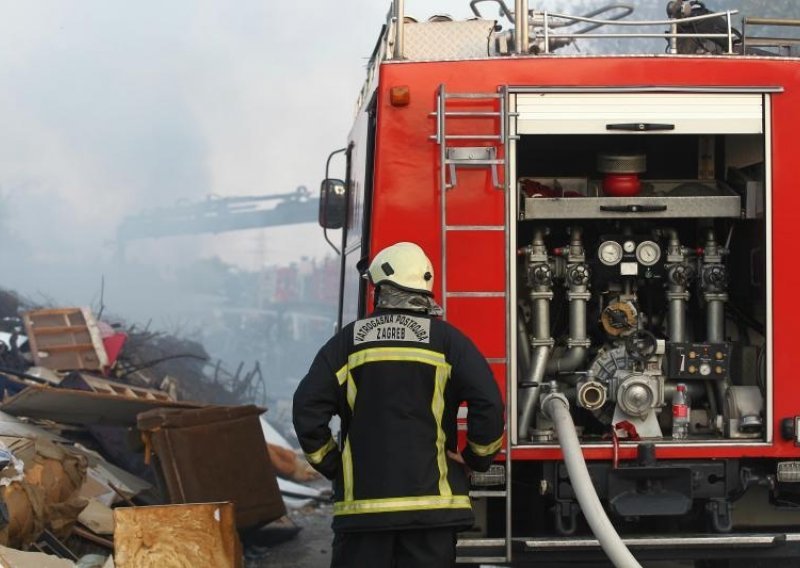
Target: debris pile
(112, 451)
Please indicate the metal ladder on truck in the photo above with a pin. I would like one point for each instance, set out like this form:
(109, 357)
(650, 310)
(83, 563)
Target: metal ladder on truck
(455, 155)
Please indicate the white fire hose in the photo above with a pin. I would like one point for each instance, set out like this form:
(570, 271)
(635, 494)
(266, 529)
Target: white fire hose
(556, 407)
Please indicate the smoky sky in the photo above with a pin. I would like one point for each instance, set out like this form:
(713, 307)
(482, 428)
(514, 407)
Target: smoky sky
(108, 108)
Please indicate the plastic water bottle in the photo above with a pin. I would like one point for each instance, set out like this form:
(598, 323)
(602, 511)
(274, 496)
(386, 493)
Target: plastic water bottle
(680, 413)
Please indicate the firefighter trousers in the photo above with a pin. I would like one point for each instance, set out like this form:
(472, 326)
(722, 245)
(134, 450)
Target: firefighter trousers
(417, 548)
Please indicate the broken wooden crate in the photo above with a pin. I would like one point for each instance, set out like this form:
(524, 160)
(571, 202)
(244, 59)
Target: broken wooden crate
(65, 339)
(215, 454)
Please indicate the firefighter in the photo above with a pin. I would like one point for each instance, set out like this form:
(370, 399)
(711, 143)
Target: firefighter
(396, 380)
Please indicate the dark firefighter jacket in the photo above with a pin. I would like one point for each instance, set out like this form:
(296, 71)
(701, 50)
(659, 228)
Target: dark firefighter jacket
(396, 380)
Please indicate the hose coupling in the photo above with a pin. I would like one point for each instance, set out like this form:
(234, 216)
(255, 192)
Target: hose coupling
(585, 296)
(552, 397)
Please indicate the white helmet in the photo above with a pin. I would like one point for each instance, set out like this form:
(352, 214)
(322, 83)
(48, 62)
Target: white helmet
(403, 264)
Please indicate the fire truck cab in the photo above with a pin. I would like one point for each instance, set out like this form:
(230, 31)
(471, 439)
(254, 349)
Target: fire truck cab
(615, 230)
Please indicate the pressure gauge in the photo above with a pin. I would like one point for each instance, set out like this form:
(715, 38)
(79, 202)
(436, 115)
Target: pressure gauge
(610, 253)
(705, 369)
(629, 246)
(648, 253)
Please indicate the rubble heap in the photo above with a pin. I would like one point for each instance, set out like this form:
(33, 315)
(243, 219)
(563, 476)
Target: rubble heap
(111, 434)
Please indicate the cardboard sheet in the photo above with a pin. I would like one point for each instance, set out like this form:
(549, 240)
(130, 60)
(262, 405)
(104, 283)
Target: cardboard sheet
(98, 518)
(11, 558)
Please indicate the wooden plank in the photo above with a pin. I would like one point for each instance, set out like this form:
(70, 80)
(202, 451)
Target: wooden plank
(172, 535)
(57, 312)
(82, 407)
(83, 381)
(61, 329)
(68, 348)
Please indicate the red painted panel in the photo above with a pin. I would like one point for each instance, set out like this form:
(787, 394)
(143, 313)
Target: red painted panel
(475, 200)
(476, 261)
(786, 218)
(407, 193)
(483, 321)
(628, 452)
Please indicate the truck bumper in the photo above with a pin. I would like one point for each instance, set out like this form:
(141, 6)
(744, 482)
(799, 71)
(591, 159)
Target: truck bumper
(534, 551)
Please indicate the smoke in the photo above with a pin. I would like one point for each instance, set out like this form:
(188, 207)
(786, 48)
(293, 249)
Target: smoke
(110, 109)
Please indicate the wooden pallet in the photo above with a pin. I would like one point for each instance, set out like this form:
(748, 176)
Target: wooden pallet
(65, 339)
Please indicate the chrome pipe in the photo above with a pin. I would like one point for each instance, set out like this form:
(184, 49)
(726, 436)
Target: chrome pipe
(541, 319)
(523, 347)
(521, 41)
(576, 242)
(642, 35)
(578, 296)
(577, 314)
(576, 353)
(673, 39)
(399, 29)
(715, 321)
(677, 314)
(771, 22)
(715, 296)
(546, 26)
(715, 293)
(730, 33)
(677, 294)
(529, 399)
(542, 344)
(668, 22)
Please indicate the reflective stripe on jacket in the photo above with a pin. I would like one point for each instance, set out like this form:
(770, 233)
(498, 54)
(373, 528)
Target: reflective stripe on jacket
(396, 380)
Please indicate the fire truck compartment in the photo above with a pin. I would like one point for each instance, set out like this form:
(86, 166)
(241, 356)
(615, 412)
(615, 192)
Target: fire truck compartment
(642, 231)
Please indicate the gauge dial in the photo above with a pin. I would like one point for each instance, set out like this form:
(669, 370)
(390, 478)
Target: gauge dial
(648, 253)
(629, 246)
(610, 253)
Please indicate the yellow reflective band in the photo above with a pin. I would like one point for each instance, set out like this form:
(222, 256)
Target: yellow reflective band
(347, 470)
(437, 406)
(351, 392)
(379, 354)
(317, 457)
(382, 354)
(341, 375)
(486, 450)
(399, 504)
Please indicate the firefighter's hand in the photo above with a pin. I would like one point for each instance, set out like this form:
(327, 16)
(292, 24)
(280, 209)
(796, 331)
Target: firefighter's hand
(456, 457)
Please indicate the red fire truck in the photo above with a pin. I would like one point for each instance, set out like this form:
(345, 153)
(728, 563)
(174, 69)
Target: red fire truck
(616, 233)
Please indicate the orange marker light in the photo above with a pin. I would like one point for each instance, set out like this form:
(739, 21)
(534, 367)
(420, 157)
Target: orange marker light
(400, 96)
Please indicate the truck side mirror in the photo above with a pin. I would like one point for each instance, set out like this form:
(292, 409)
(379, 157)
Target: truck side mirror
(332, 203)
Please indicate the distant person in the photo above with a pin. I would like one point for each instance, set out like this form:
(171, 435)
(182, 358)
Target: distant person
(396, 379)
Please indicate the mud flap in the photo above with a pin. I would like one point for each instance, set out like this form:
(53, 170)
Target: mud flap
(650, 491)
